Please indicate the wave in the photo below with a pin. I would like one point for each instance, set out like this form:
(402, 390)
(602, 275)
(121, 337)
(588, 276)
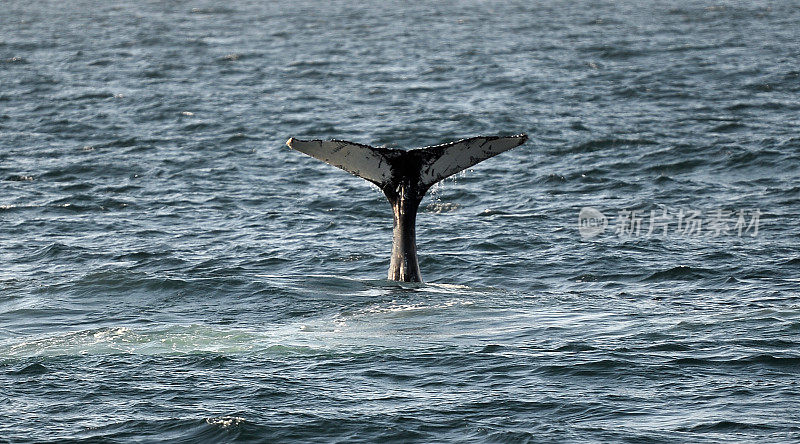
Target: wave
(767, 360)
(36, 368)
(210, 429)
(680, 273)
(728, 426)
(600, 144)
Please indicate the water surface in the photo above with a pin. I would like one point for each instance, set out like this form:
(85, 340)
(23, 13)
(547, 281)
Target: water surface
(172, 272)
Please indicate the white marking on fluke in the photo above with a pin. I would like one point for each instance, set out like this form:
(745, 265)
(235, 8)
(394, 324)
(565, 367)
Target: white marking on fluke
(405, 177)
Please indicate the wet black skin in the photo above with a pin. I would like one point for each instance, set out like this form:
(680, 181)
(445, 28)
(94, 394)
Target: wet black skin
(405, 192)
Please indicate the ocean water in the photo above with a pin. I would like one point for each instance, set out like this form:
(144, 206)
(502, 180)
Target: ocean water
(171, 271)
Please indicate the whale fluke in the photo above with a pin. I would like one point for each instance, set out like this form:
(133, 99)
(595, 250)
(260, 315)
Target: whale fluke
(405, 177)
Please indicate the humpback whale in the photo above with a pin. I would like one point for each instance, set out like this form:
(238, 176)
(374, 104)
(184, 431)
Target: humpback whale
(405, 176)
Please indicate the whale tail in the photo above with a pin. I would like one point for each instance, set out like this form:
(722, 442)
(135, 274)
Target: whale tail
(405, 177)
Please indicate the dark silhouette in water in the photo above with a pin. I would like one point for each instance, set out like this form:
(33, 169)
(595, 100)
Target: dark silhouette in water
(405, 177)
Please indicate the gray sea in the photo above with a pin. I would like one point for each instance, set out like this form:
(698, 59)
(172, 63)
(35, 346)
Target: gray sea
(171, 272)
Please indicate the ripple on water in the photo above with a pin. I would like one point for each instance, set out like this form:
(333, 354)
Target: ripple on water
(172, 272)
